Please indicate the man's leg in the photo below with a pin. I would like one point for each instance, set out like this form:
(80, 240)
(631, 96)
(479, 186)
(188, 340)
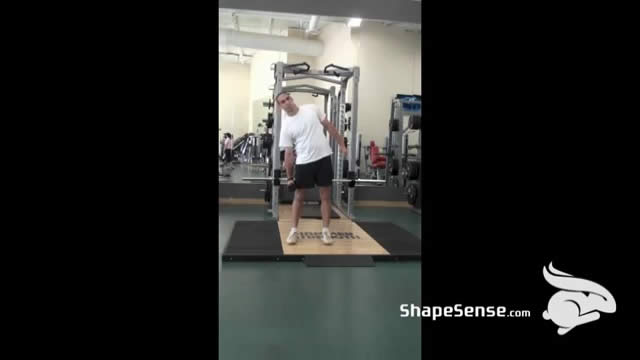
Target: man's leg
(325, 205)
(296, 212)
(324, 180)
(302, 181)
(298, 201)
(325, 208)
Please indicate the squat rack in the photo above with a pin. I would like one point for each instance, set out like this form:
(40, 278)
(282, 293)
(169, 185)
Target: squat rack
(288, 72)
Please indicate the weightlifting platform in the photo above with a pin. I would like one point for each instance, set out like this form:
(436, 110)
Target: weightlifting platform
(356, 243)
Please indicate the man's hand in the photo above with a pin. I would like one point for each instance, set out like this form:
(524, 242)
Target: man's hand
(291, 185)
(343, 148)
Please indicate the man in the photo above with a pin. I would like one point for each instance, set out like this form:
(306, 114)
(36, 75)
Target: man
(228, 148)
(303, 126)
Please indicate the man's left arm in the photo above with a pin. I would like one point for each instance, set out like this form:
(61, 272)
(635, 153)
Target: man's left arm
(332, 130)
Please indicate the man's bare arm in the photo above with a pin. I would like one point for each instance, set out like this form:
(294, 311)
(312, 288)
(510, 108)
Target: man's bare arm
(332, 130)
(288, 161)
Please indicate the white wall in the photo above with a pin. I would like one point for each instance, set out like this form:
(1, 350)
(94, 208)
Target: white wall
(389, 61)
(339, 50)
(233, 96)
(261, 80)
(305, 98)
(390, 64)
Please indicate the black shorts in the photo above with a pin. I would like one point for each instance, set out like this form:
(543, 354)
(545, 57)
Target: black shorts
(227, 155)
(317, 173)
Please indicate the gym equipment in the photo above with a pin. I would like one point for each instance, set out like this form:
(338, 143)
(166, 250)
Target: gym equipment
(358, 155)
(395, 167)
(401, 106)
(414, 122)
(409, 175)
(395, 125)
(268, 104)
(267, 193)
(411, 170)
(267, 141)
(335, 108)
(349, 182)
(268, 122)
(291, 187)
(376, 163)
(284, 180)
(414, 170)
(412, 194)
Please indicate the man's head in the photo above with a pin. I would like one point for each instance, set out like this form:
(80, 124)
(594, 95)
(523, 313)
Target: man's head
(286, 102)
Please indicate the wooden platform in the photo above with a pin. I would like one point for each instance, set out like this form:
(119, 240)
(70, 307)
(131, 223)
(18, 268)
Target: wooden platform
(285, 213)
(349, 238)
(266, 241)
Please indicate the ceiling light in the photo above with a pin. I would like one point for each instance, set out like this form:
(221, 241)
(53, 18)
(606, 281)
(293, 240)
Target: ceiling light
(354, 22)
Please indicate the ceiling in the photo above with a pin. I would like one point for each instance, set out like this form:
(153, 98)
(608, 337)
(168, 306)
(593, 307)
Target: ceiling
(276, 23)
(408, 11)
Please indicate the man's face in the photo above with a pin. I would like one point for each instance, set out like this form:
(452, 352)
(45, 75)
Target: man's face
(286, 102)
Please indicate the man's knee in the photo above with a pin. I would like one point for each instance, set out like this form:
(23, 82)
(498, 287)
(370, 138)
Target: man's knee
(325, 193)
(299, 195)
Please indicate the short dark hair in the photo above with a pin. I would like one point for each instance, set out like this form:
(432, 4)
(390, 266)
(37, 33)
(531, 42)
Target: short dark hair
(280, 93)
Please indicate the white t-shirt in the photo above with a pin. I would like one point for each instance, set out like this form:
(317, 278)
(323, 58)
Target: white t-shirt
(306, 131)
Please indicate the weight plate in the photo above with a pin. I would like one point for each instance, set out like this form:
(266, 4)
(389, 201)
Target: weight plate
(412, 194)
(414, 122)
(395, 125)
(395, 167)
(267, 193)
(413, 170)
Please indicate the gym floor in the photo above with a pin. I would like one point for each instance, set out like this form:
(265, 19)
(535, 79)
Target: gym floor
(243, 170)
(285, 310)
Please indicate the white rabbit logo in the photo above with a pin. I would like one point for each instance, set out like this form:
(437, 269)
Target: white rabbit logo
(577, 303)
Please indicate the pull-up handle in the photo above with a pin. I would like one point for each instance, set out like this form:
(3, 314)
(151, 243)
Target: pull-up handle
(335, 73)
(296, 65)
(335, 66)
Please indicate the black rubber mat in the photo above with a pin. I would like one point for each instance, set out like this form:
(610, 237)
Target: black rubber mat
(260, 241)
(254, 238)
(396, 240)
(339, 261)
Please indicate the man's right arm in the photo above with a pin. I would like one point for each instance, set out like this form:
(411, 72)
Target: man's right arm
(288, 161)
(286, 143)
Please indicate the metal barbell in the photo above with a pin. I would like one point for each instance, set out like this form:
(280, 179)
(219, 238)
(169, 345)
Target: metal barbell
(284, 180)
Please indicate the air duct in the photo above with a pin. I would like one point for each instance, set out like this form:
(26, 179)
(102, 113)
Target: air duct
(312, 24)
(228, 37)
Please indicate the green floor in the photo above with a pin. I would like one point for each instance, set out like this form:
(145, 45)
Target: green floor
(243, 170)
(284, 310)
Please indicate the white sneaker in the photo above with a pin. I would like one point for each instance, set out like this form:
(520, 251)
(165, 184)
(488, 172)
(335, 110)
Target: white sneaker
(326, 237)
(292, 238)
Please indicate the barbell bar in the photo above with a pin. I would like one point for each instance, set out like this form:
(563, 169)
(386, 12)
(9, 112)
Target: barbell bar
(284, 180)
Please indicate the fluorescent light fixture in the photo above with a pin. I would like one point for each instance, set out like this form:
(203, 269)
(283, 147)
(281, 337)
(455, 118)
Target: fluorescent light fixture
(354, 22)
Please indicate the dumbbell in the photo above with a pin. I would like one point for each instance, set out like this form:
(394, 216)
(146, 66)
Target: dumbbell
(292, 187)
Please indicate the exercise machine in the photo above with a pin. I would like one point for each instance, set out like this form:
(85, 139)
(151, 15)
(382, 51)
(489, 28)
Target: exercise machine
(404, 168)
(336, 108)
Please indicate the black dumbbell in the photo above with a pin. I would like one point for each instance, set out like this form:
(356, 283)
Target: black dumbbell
(292, 186)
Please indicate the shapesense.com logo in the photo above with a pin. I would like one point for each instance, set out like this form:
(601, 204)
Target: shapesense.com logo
(456, 311)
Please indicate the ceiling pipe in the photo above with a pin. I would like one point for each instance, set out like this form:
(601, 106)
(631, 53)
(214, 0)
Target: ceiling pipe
(313, 23)
(227, 37)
